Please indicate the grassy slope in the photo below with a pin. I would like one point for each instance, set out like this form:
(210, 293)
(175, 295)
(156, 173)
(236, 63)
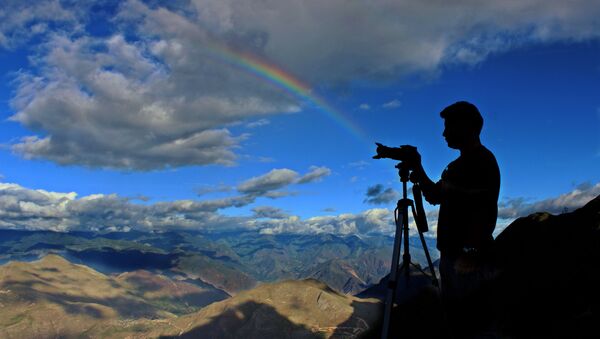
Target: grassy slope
(53, 297)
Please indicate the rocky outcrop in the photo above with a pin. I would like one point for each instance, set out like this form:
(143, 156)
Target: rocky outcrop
(547, 284)
(550, 275)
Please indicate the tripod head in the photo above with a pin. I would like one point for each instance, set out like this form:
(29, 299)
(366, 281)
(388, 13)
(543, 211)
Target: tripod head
(403, 171)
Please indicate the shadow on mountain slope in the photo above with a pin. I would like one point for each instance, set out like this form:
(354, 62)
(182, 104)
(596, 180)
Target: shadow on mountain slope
(356, 326)
(110, 260)
(417, 313)
(249, 320)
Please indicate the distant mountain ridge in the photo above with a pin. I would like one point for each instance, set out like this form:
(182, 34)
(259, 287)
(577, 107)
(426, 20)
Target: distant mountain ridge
(232, 262)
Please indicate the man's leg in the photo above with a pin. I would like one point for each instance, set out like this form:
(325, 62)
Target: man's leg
(464, 301)
(450, 299)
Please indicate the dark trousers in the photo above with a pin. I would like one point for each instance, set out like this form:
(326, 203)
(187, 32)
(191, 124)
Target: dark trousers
(467, 296)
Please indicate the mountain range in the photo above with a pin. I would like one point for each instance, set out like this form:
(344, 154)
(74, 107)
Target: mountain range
(251, 285)
(227, 261)
(52, 297)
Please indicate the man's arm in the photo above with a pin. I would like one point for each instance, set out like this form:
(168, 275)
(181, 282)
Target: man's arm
(431, 190)
(435, 192)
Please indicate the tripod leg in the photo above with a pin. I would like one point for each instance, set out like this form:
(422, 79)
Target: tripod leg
(431, 269)
(406, 256)
(392, 278)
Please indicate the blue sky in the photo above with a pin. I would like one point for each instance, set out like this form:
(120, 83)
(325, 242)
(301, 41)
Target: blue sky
(129, 109)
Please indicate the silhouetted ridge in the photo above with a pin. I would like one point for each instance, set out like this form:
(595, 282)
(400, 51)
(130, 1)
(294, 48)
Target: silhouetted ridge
(550, 278)
(548, 283)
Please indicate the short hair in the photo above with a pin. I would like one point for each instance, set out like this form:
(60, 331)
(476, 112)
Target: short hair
(464, 113)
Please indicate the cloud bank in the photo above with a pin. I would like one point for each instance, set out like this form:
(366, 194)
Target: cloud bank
(23, 208)
(159, 91)
(515, 208)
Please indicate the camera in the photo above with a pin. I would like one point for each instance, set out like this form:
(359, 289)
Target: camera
(405, 153)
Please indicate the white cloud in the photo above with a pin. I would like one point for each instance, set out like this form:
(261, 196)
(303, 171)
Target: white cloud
(165, 97)
(378, 195)
(23, 208)
(364, 107)
(392, 104)
(157, 102)
(22, 20)
(268, 184)
(514, 208)
(258, 123)
(269, 212)
(369, 221)
(398, 37)
(316, 174)
(274, 180)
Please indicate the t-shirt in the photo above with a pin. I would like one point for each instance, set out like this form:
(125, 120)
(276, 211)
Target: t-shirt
(468, 197)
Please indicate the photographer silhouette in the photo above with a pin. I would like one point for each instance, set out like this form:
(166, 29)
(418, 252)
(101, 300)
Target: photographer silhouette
(468, 197)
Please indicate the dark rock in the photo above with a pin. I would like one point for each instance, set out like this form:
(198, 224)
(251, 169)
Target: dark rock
(548, 286)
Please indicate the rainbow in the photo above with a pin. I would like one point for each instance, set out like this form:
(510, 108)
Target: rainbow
(276, 76)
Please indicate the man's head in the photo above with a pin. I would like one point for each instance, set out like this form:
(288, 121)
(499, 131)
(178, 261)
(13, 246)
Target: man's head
(462, 124)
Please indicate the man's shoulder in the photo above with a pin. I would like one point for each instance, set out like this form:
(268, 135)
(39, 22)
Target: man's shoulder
(484, 150)
(484, 153)
(487, 163)
(482, 159)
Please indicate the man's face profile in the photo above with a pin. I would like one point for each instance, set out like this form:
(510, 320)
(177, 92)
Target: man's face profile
(452, 134)
(457, 133)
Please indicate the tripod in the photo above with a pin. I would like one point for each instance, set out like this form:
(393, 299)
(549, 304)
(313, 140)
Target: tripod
(401, 219)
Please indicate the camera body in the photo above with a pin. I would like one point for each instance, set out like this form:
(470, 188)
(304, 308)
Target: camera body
(405, 153)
